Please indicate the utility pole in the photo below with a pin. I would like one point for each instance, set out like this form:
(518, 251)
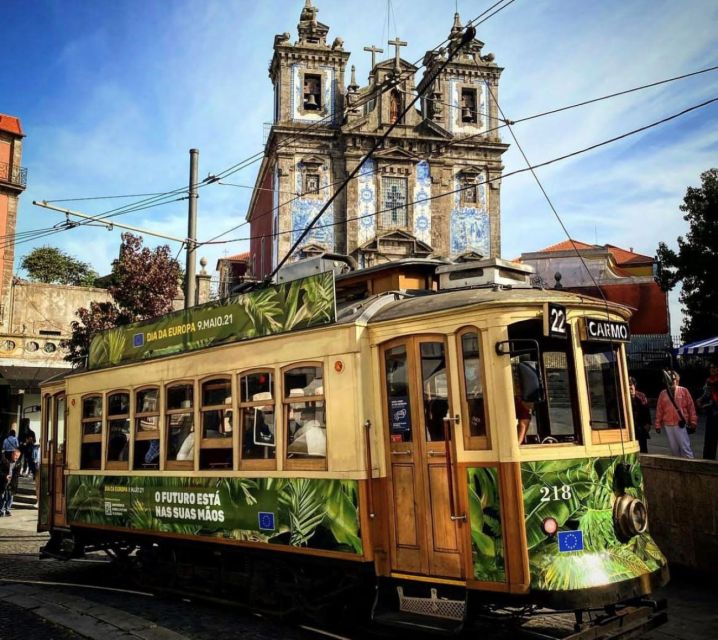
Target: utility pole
(189, 289)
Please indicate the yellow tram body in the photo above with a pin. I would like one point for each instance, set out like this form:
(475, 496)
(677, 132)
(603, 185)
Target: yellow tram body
(386, 382)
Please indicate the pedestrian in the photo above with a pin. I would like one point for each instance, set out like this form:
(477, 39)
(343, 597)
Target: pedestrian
(28, 456)
(641, 415)
(676, 412)
(709, 403)
(10, 482)
(10, 444)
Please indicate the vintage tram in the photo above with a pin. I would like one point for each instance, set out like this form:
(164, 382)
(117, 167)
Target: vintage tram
(437, 438)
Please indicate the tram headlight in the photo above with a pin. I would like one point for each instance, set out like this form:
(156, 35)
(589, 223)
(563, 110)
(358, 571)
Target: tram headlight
(550, 526)
(630, 516)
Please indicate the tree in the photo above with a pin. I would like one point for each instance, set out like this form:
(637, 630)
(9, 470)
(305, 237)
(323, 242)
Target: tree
(694, 264)
(53, 266)
(143, 286)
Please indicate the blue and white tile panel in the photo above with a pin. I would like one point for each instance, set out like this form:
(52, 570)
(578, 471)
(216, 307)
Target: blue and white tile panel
(366, 202)
(304, 209)
(470, 226)
(422, 203)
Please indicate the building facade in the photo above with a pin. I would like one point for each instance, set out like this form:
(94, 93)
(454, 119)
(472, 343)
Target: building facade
(431, 189)
(624, 277)
(13, 180)
(34, 317)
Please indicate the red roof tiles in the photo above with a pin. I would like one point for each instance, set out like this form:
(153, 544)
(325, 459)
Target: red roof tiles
(11, 124)
(621, 256)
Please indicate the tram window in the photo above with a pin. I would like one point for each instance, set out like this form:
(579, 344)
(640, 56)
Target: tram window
(60, 405)
(256, 415)
(435, 388)
(216, 421)
(305, 414)
(553, 418)
(46, 436)
(604, 387)
(92, 415)
(118, 432)
(91, 446)
(473, 391)
(180, 425)
(147, 422)
(397, 394)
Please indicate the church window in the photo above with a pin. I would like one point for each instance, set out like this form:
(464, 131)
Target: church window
(394, 106)
(394, 210)
(311, 184)
(469, 113)
(312, 92)
(469, 192)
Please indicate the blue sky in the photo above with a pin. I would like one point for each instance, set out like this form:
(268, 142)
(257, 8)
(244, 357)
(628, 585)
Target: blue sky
(112, 95)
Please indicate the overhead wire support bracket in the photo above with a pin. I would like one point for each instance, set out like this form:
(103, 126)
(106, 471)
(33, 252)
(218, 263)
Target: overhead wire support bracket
(109, 225)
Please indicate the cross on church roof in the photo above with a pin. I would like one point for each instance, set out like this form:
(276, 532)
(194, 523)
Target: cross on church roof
(374, 50)
(397, 44)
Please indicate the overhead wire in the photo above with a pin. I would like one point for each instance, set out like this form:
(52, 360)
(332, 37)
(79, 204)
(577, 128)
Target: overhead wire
(484, 132)
(538, 165)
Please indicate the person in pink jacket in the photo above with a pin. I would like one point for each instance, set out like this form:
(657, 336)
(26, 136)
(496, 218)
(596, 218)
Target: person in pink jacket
(677, 415)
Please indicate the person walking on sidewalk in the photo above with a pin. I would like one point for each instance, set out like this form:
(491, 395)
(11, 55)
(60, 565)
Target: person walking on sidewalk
(709, 403)
(676, 412)
(641, 415)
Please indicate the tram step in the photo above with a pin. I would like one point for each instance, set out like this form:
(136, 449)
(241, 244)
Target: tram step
(420, 607)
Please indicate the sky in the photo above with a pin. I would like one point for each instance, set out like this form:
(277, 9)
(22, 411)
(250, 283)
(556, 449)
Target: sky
(112, 95)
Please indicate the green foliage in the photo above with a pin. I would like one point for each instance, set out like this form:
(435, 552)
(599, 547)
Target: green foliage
(694, 263)
(484, 519)
(341, 501)
(306, 509)
(303, 508)
(54, 266)
(605, 558)
(143, 286)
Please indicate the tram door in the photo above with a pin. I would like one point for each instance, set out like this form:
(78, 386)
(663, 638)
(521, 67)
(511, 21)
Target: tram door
(56, 455)
(416, 395)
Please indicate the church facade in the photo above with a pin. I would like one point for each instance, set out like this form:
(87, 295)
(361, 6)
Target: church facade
(431, 190)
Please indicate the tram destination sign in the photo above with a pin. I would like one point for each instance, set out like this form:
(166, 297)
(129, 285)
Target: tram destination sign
(602, 330)
(289, 306)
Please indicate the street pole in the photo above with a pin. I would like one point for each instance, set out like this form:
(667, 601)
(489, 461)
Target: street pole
(189, 292)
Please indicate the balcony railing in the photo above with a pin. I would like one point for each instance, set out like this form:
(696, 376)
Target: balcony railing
(13, 175)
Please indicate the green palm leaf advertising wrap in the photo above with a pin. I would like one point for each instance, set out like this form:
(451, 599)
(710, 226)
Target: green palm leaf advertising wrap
(487, 544)
(299, 304)
(586, 551)
(300, 512)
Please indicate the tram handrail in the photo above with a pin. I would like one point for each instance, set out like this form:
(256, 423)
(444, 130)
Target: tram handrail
(370, 469)
(450, 470)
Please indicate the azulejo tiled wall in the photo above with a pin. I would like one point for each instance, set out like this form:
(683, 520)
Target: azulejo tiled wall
(305, 208)
(328, 91)
(366, 202)
(422, 203)
(470, 226)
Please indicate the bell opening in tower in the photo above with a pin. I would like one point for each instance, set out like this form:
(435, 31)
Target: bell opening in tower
(312, 92)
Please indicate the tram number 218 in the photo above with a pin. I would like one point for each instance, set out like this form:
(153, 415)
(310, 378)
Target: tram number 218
(556, 493)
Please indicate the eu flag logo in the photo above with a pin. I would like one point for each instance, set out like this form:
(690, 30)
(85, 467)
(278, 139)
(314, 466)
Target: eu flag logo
(266, 521)
(138, 340)
(570, 541)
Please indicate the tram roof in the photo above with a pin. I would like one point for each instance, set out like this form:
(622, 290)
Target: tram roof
(484, 296)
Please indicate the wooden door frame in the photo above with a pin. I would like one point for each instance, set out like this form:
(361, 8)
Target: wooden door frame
(420, 450)
(58, 516)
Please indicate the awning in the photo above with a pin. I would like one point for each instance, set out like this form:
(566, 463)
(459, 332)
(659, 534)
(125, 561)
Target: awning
(709, 345)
